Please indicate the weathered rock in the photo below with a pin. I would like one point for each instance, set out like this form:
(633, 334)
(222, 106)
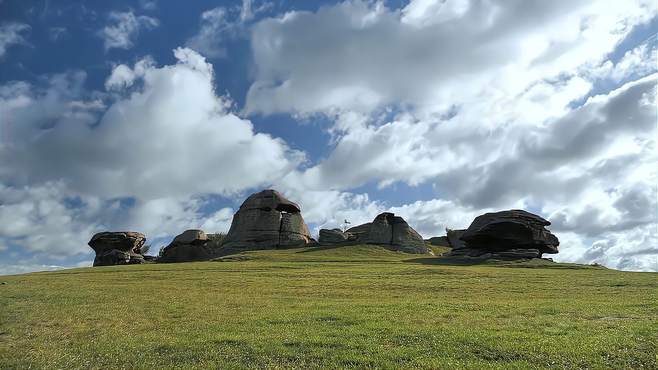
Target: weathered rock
(514, 234)
(193, 236)
(267, 220)
(505, 230)
(454, 238)
(335, 237)
(189, 246)
(180, 252)
(392, 232)
(117, 248)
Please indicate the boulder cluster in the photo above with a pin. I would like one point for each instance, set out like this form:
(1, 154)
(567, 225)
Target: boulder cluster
(267, 220)
(514, 234)
(387, 230)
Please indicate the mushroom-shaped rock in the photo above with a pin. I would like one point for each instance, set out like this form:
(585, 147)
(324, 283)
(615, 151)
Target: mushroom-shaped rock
(189, 246)
(117, 248)
(267, 220)
(392, 232)
(515, 229)
(514, 234)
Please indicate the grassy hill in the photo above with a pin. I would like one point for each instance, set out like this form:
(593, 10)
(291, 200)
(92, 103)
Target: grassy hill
(347, 307)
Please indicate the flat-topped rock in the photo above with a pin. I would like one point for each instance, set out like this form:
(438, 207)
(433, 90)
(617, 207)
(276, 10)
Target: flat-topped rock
(514, 229)
(506, 235)
(117, 248)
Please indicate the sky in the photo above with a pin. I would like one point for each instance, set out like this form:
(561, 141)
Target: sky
(160, 116)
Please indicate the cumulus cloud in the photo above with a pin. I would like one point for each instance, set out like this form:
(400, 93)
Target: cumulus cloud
(360, 55)
(12, 33)
(124, 27)
(170, 135)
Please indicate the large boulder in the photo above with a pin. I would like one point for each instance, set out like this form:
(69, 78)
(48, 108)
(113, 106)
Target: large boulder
(454, 238)
(390, 231)
(335, 237)
(514, 234)
(267, 220)
(189, 246)
(117, 248)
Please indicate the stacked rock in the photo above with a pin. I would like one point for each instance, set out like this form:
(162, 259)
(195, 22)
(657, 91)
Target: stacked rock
(514, 234)
(117, 248)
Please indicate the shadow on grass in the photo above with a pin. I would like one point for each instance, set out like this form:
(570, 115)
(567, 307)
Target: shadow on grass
(531, 263)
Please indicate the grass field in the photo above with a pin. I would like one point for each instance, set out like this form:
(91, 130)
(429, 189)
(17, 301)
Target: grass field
(348, 307)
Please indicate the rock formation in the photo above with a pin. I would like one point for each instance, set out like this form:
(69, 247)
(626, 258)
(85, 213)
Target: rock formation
(387, 230)
(454, 238)
(117, 248)
(187, 247)
(267, 220)
(514, 234)
(335, 237)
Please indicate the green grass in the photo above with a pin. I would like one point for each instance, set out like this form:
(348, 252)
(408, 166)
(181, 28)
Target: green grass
(348, 307)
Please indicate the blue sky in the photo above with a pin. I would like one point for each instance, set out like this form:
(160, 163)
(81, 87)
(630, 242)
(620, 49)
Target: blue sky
(159, 116)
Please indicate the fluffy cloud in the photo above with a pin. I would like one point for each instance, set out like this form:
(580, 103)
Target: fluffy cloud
(169, 136)
(360, 55)
(12, 34)
(124, 27)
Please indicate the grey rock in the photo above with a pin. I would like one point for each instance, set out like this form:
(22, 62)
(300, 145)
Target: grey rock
(190, 246)
(392, 232)
(454, 238)
(117, 248)
(267, 220)
(335, 237)
(515, 229)
(192, 236)
(506, 235)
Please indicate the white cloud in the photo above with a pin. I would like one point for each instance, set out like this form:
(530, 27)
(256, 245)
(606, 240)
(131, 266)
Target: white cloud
(12, 34)
(221, 24)
(361, 55)
(169, 136)
(124, 27)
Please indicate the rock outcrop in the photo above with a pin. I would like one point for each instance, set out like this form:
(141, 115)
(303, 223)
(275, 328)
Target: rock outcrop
(514, 234)
(335, 237)
(117, 248)
(189, 246)
(267, 220)
(387, 230)
(454, 238)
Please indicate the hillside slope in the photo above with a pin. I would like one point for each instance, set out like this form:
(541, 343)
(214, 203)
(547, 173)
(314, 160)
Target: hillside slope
(358, 306)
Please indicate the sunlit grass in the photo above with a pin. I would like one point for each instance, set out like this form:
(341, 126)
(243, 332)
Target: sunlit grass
(358, 306)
